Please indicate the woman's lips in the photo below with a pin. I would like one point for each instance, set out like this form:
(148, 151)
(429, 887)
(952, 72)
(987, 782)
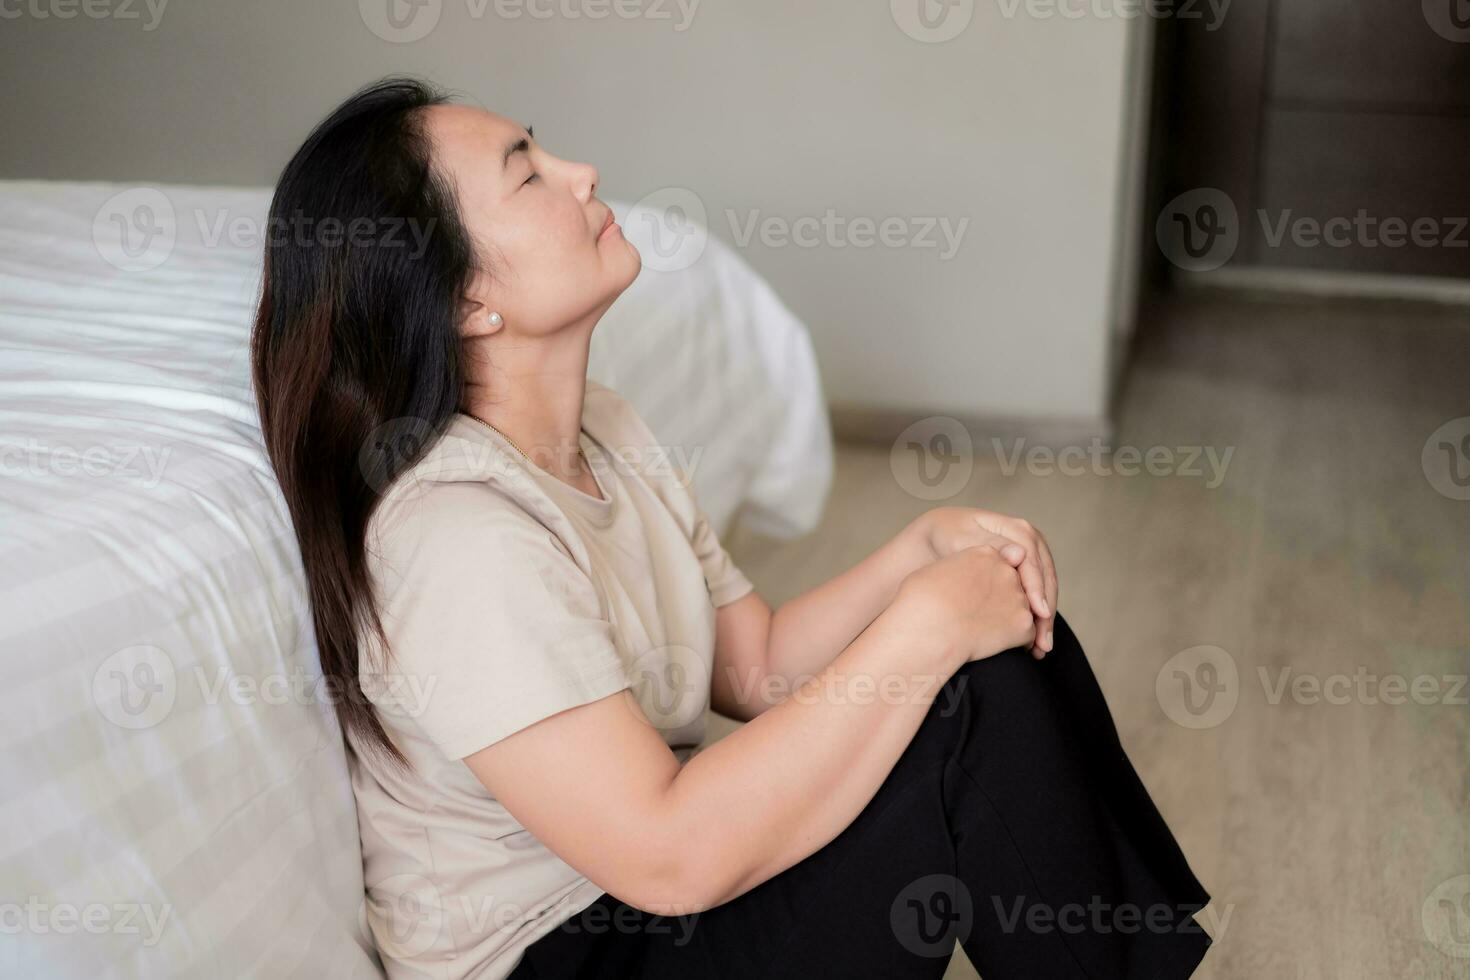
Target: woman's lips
(609, 223)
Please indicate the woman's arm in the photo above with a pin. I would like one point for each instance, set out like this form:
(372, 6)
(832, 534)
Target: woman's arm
(598, 786)
(761, 656)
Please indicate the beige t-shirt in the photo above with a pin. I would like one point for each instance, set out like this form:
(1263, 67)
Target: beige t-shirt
(508, 596)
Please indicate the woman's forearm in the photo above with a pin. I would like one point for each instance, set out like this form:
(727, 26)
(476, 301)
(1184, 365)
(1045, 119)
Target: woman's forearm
(807, 632)
(780, 787)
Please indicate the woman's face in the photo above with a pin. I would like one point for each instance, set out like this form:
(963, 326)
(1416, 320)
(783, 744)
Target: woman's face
(534, 218)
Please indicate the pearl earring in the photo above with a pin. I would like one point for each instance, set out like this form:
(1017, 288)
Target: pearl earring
(495, 319)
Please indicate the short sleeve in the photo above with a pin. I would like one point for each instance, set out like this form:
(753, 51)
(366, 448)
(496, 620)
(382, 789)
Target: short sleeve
(491, 624)
(725, 579)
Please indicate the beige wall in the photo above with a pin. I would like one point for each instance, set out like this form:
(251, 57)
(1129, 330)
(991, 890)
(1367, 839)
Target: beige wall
(766, 110)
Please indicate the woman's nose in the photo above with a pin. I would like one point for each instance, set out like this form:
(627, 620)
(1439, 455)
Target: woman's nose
(587, 178)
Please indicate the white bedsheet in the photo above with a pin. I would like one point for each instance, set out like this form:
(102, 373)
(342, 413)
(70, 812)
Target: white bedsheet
(173, 793)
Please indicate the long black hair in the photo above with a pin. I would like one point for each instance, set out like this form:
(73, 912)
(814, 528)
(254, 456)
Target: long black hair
(356, 353)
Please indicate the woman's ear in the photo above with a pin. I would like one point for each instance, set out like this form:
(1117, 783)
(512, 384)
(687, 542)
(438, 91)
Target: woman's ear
(478, 319)
(478, 312)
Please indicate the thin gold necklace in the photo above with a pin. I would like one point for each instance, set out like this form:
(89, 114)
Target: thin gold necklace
(513, 442)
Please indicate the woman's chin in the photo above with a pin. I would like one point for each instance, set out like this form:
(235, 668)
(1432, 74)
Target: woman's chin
(634, 260)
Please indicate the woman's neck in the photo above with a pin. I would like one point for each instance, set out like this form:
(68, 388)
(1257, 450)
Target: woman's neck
(535, 399)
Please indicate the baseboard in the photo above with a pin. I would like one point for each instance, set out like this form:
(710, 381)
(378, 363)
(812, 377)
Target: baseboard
(1318, 283)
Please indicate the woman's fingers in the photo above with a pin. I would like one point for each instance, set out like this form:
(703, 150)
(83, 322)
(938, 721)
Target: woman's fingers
(1049, 570)
(1033, 574)
(1031, 556)
(1021, 546)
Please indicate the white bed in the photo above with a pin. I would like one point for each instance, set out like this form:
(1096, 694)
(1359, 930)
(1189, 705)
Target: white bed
(173, 793)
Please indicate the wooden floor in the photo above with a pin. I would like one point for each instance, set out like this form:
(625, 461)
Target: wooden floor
(1322, 829)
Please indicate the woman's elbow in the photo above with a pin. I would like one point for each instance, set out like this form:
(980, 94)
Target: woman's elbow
(683, 885)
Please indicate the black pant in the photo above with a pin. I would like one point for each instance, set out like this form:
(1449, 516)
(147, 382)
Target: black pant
(1013, 823)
